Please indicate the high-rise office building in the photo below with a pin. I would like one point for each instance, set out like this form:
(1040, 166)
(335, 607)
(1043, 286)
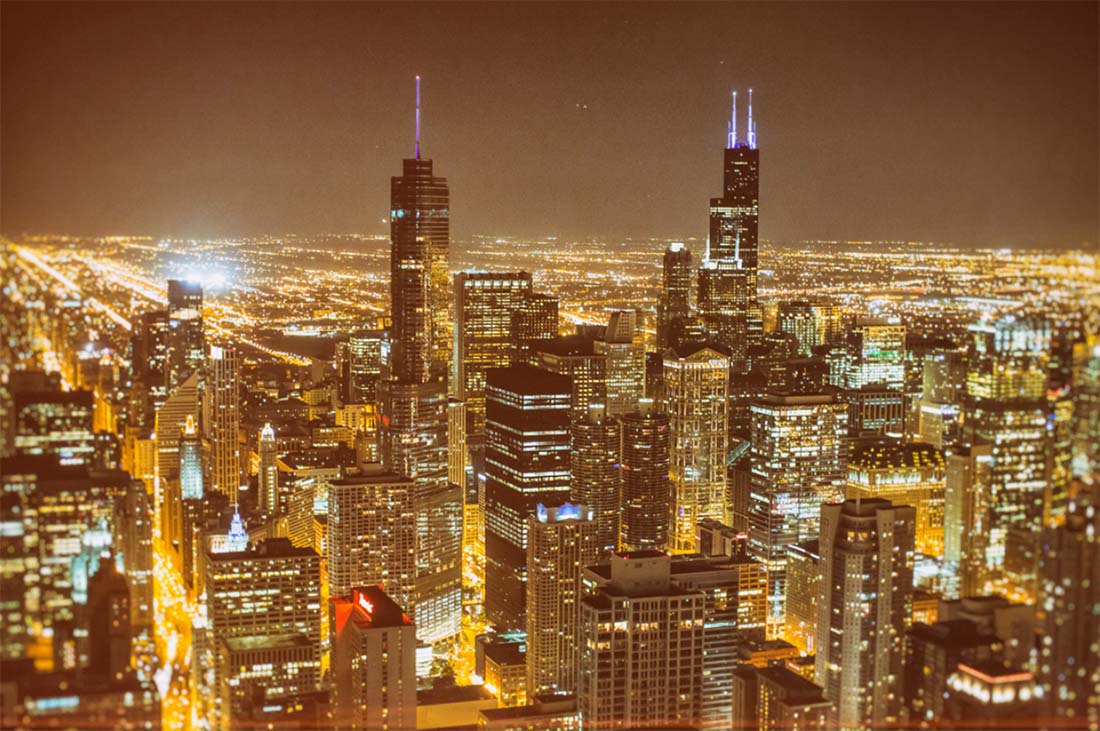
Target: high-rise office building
(372, 535)
(776, 698)
(47, 420)
(803, 573)
(485, 304)
(527, 458)
(361, 362)
(799, 318)
(644, 476)
(1086, 408)
(1006, 408)
(696, 388)
(876, 354)
(222, 419)
(864, 609)
(263, 632)
(108, 614)
(419, 273)
(943, 388)
(415, 445)
(966, 516)
(623, 347)
(149, 360)
(798, 463)
(575, 356)
(1069, 601)
(181, 406)
(561, 541)
(905, 473)
(641, 648)
(373, 662)
(595, 444)
(186, 341)
(674, 307)
(271, 502)
(535, 321)
(728, 277)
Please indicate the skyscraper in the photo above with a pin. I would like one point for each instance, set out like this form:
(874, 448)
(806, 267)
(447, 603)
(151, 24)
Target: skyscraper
(623, 347)
(561, 541)
(485, 304)
(535, 321)
(372, 535)
(373, 662)
(222, 419)
(1069, 602)
(641, 640)
(264, 625)
(526, 463)
(186, 343)
(674, 307)
(172, 417)
(909, 473)
(271, 503)
(595, 481)
(798, 455)
(696, 388)
(727, 279)
(419, 274)
(864, 609)
(1006, 408)
(414, 402)
(644, 474)
(876, 354)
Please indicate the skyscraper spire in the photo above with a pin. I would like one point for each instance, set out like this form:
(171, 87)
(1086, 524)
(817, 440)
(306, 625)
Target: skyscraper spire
(418, 117)
(732, 142)
(752, 125)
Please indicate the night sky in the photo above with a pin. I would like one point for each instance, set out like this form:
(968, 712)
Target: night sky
(974, 124)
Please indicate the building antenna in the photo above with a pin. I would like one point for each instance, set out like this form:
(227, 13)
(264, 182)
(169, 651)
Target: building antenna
(418, 117)
(752, 125)
(733, 123)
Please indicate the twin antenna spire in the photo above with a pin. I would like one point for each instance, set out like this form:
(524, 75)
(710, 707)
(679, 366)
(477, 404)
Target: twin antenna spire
(731, 126)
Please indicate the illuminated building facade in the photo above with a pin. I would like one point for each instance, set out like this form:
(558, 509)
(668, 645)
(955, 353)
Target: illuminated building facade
(641, 640)
(52, 421)
(485, 304)
(186, 340)
(876, 354)
(535, 321)
(527, 462)
(373, 662)
(1069, 601)
(372, 535)
(1006, 408)
(645, 483)
(222, 419)
(864, 609)
(674, 307)
(575, 357)
(272, 503)
(905, 473)
(696, 389)
(798, 463)
(775, 698)
(803, 587)
(728, 276)
(561, 541)
(624, 351)
(594, 467)
(264, 623)
(414, 445)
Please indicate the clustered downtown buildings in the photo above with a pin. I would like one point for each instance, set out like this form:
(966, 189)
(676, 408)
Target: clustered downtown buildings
(767, 511)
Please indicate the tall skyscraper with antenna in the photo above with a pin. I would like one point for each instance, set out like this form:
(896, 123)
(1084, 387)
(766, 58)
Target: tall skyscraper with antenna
(727, 279)
(414, 401)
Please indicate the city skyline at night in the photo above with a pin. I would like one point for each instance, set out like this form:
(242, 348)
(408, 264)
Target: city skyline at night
(517, 456)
